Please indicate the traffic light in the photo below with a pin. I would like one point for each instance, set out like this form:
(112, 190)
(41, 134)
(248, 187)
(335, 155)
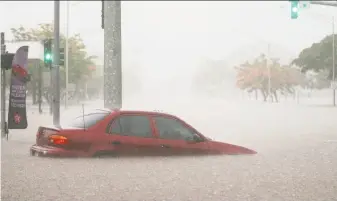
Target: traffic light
(61, 57)
(294, 9)
(48, 57)
(6, 60)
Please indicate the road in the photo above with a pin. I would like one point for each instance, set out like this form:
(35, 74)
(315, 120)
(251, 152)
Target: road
(296, 160)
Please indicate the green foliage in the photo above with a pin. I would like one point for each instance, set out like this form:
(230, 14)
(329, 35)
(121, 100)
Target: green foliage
(79, 60)
(318, 57)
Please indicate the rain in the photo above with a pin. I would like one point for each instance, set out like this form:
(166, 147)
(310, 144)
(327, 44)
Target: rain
(245, 73)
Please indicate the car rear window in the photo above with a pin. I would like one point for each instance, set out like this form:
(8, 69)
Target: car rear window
(87, 120)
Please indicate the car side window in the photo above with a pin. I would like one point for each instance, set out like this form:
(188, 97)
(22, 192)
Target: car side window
(173, 129)
(115, 127)
(138, 126)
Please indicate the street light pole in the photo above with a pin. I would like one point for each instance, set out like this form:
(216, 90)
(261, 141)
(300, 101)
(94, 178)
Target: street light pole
(333, 62)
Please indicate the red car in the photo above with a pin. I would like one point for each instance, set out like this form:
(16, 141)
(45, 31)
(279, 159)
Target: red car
(127, 133)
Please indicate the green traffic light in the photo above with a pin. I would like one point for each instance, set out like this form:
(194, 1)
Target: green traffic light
(294, 9)
(48, 57)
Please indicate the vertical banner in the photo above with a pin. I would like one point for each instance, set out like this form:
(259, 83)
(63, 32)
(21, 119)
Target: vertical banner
(17, 116)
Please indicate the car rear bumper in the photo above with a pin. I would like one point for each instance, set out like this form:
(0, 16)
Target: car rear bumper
(36, 150)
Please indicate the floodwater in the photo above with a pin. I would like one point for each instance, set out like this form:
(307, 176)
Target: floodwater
(296, 160)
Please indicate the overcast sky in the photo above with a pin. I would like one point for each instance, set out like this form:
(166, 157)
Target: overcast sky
(184, 31)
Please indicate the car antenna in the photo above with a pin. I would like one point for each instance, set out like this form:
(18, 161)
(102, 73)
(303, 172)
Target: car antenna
(83, 116)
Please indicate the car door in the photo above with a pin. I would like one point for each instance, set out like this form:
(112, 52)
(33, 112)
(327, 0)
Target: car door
(177, 138)
(131, 134)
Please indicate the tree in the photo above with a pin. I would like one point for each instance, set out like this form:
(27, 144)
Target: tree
(318, 57)
(79, 60)
(255, 77)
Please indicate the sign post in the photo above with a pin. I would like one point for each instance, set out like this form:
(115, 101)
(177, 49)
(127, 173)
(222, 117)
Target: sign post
(3, 89)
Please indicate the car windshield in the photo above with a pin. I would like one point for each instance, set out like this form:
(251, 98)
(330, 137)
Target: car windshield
(87, 120)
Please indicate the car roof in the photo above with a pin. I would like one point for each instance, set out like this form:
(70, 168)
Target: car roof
(124, 111)
(145, 112)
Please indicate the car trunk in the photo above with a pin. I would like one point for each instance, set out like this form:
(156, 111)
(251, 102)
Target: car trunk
(74, 136)
(43, 134)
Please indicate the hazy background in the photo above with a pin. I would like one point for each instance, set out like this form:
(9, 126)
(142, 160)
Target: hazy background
(168, 40)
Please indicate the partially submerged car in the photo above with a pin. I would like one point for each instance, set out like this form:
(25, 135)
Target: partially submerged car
(127, 133)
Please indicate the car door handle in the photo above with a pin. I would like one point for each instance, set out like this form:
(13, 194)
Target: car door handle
(116, 142)
(165, 146)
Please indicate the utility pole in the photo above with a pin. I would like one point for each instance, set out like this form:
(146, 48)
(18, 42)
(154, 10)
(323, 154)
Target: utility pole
(112, 55)
(56, 66)
(3, 89)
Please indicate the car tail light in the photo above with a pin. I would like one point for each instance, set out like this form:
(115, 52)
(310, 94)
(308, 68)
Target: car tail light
(58, 140)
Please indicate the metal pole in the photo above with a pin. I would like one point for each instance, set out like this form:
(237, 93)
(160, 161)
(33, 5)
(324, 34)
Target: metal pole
(269, 79)
(39, 87)
(324, 3)
(67, 55)
(334, 4)
(56, 62)
(333, 62)
(3, 89)
(51, 88)
(112, 55)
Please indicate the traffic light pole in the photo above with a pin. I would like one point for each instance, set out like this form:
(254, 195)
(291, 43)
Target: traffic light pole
(39, 83)
(51, 88)
(56, 66)
(3, 89)
(324, 3)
